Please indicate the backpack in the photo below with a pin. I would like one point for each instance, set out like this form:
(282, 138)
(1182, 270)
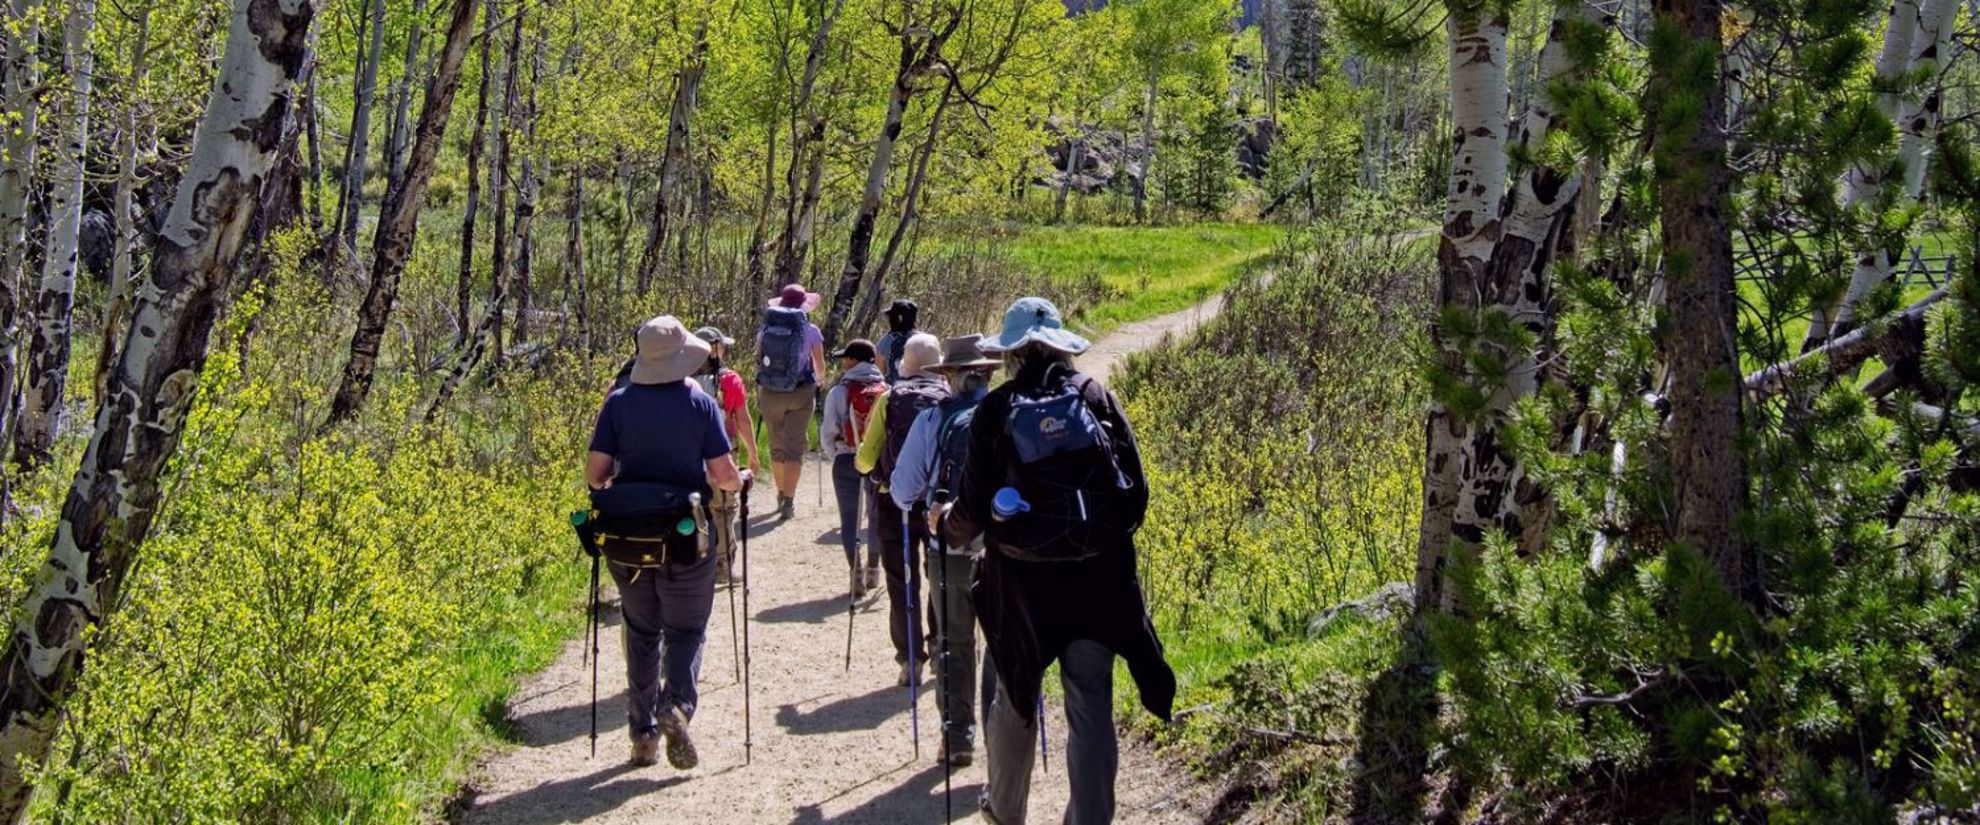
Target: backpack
(904, 404)
(952, 443)
(860, 398)
(646, 525)
(896, 350)
(1062, 461)
(785, 363)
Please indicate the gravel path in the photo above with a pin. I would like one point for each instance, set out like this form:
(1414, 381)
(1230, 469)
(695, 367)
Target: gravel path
(831, 745)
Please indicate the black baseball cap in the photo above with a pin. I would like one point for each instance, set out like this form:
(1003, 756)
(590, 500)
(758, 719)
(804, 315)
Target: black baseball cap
(858, 349)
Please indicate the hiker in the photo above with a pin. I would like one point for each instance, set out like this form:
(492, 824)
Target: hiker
(901, 317)
(1053, 482)
(658, 442)
(902, 533)
(926, 474)
(848, 406)
(793, 360)
(725, 385)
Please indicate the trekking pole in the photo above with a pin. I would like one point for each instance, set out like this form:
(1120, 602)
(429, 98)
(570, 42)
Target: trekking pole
(722, 558)
(594, 656)
(748, 740)
(914, 669)
(1044, 750)
(942, 686)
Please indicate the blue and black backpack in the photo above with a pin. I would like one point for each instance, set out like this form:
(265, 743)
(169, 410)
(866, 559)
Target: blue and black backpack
(1064, 464)
(785, 365)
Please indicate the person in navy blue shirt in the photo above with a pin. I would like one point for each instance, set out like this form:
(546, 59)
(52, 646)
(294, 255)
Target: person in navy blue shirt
(657, 429)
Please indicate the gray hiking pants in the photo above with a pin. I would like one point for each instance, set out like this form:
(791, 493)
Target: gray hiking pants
(955, 675)
(666, 618)
(1086, 670)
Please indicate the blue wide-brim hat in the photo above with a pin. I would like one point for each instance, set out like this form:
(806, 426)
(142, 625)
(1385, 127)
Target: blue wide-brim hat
(1034, 319)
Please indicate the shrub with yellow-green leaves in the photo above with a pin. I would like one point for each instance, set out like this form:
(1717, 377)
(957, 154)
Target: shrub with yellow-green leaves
(321, 623)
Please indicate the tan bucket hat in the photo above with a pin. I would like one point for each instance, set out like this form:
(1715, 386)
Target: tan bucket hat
(667, 352)
(964, 352)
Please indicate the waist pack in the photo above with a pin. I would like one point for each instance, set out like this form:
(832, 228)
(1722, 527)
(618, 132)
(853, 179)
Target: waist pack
(1064, 465)
(646, 525)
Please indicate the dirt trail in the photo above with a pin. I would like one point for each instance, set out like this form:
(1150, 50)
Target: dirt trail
(830, 745)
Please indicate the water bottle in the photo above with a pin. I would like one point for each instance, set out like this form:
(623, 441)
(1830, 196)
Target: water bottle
(1009, 502)
(686, 527)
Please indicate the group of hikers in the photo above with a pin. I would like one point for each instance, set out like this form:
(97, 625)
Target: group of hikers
(1009, 507)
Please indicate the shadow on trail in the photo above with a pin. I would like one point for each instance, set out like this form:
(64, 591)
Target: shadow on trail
(577, 799)
(1399, 713)
(853, 713)
(557, 725)
(811, 612)
(918, 798)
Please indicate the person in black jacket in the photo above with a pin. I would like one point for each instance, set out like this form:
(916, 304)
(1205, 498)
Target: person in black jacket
(1080, 612)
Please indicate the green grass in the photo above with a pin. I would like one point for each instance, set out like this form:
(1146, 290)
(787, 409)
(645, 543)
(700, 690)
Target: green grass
(1148, 270)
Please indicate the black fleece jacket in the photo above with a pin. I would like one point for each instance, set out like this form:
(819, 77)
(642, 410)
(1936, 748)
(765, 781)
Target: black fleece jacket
(1030, 611)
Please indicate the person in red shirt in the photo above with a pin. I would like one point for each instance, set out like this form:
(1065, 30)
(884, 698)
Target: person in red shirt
(726, 387)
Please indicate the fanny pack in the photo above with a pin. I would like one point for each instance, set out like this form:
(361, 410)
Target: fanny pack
(646, 525)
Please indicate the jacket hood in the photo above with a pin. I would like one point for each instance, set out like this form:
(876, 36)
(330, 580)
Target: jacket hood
(863, 372)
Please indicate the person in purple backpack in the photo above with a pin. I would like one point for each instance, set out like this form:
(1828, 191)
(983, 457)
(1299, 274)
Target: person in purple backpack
(790, 363)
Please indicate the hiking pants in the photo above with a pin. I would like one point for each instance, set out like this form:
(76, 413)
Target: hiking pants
(1086, 669)
(666, 617)
(904, 577)
(854, 491)
(726, 507)
(955, 679)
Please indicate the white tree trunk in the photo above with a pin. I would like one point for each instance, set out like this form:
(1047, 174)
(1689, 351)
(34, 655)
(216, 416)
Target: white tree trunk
(19, 94)
(1478, 182)
(115, 494)
(121, 262)
(1864, 180)
(48, 350)
(1917, 120)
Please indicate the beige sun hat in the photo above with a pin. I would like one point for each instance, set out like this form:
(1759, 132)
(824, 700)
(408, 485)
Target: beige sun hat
(667, 352)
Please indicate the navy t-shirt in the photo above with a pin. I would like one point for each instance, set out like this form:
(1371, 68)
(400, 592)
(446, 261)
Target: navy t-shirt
(660, 434)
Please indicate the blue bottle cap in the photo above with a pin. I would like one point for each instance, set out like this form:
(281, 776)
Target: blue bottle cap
(1010, 502)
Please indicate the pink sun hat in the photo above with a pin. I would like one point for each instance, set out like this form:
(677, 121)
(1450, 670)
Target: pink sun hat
(793, 296)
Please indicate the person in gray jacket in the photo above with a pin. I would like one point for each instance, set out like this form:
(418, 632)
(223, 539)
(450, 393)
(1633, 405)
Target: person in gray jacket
(859, 389)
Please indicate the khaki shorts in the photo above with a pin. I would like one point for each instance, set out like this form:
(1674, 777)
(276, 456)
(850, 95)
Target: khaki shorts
(788, 417)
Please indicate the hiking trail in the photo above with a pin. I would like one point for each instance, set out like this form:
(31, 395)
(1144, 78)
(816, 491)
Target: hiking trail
(830, 745)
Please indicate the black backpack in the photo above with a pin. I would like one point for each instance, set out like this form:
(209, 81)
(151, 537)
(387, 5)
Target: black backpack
(1060, 457)
(952, 443)
(646, 525)
(905, 401)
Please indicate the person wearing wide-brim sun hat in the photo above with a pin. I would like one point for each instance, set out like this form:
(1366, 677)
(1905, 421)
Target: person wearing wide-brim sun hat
(790, 364)
(1052, 482)
(658, 431)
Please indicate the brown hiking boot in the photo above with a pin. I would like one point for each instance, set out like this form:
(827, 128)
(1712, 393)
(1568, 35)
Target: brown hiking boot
(680, 748)
(959, 757)
(646, 749)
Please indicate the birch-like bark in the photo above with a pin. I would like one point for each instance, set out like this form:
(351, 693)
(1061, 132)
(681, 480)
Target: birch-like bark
(920, 48)
(121, 198)
(869, 309)
(1865, 180)
(526, 192)
(20, 94)
(395, 145)
(115, 494)
(1494, 493)
(806, 128)
(1708, 471)
(48, 349)
(498, 185)
(398, 219)
(1151, 95)
(575, 278)
(1075, 160)
(1478, 181)
(667, 200)
(351, 200)
(1918, 120)
(478, 138)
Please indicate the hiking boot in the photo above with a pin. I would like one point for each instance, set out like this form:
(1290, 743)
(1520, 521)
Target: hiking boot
(962, 757)
(786, 508)
(907, 674)
(858, 586)
(871, 578)
(646, 749)
(680, 748)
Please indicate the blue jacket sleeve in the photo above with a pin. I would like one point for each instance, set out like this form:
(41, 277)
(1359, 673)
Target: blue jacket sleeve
(916, 466)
